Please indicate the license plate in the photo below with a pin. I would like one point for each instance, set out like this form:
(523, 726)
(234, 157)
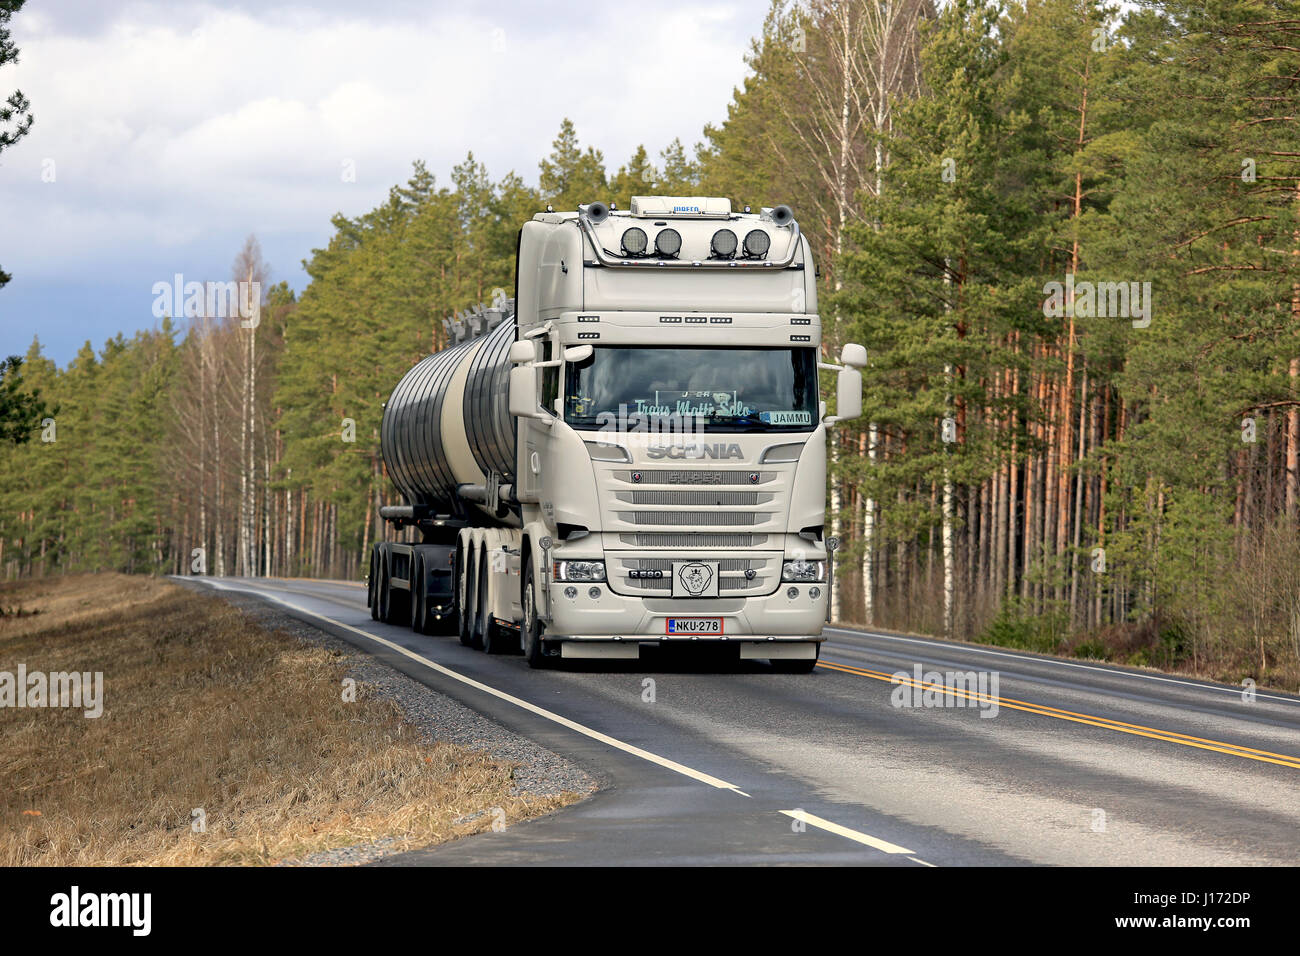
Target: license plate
(693, 625)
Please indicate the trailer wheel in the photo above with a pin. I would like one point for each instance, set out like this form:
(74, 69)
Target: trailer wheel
(530, 634)
(372, 584)
(466, 615)
(803, 666)
(395, 606)
(382, 592)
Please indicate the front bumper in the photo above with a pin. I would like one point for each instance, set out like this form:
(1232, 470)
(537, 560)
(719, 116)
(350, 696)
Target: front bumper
(621, 617)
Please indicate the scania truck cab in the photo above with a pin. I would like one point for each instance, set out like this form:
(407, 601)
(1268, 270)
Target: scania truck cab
(672, 441)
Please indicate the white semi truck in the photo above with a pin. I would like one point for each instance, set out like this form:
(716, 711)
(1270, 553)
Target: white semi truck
(629, 453)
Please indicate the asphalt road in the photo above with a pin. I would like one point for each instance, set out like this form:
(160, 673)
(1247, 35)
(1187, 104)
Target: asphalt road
(1077, 764)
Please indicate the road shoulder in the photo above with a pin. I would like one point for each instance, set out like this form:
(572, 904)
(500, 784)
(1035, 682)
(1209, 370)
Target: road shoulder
(538, 771)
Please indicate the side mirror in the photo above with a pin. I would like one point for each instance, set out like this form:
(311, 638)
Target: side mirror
(523, 390)
(522, 351)
(854, 356)
(578, 353)
(848, 394)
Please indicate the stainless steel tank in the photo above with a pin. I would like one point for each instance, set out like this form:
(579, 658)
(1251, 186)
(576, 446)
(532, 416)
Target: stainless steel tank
(447, 424)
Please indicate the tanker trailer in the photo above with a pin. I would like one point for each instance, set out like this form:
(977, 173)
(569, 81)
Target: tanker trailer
(448, 441)
(630, 453)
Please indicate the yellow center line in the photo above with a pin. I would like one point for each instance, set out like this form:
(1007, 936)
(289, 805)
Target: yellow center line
(1106, 723)
(1012, 702)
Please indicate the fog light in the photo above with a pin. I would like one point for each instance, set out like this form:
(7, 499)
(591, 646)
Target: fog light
(593, 593)
(814, 593)
(570, 593)
(792, 593)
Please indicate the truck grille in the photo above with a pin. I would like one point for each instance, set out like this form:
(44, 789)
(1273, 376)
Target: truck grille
(695, 479)
(692, 539)
(695, 498)
(704, 499)
(666, 564)
(696, 518)
(651, 584)
(727, 587)
(731, 575)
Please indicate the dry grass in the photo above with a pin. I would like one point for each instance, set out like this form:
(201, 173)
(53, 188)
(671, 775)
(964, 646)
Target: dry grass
(203, 709)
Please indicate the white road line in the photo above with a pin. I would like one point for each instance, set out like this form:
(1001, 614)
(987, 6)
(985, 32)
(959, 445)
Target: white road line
(1048, 660)
(502, 695)
(883, 845)
(922, 862)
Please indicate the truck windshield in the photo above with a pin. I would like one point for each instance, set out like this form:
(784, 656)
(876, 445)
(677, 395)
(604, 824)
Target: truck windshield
(718, 389)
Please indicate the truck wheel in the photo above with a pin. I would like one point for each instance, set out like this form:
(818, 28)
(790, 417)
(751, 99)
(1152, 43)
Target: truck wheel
(372, 584)
(488, 637)
(381, 592)
(467, 615)
(395, 605)
(530, 634)
(805, 666)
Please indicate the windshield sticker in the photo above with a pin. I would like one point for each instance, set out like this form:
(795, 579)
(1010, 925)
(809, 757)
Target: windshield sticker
(695, 403)
(785, 418)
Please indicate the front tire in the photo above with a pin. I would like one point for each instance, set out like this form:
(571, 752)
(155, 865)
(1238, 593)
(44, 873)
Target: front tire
(530, 634)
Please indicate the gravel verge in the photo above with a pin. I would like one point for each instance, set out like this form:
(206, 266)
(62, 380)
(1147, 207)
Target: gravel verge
(433, 715)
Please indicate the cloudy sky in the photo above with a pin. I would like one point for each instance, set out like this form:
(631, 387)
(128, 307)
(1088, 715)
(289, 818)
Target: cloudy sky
(166, 132)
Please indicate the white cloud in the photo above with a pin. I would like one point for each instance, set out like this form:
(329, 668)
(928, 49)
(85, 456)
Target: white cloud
(176, 129)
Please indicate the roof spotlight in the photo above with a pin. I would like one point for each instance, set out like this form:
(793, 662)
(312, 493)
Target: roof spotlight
(668, 242)
(635, 241)
(757, 242)
(723, 244)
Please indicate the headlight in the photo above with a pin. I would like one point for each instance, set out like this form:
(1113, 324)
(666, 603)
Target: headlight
(579, 570)
(804, 571)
